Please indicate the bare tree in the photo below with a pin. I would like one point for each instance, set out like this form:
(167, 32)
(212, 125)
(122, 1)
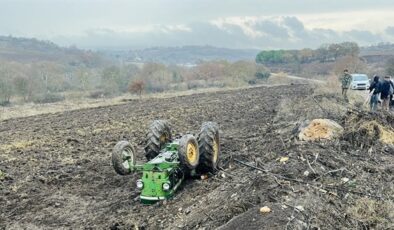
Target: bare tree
(21, 86)
(137, 86)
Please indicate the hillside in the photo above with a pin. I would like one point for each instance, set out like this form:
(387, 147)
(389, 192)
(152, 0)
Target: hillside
(378, 54)
(382, 49)
(182, 55)
(28, 50)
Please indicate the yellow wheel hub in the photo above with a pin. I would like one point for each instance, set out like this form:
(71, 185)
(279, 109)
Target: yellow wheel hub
(215, 151)
(191, 153)
(163, 138)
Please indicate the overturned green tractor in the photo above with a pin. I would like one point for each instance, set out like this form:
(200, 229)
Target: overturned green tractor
(170, 160)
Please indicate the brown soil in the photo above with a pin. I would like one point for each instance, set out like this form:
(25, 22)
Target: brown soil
(56, 171)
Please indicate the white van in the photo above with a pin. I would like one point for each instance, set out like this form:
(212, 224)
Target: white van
(359, 81)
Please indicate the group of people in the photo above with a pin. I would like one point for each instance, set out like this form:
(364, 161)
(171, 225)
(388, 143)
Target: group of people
(381, 90)
(383, 87)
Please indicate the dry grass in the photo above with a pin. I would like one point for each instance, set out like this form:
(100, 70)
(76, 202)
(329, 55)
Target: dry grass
(367, 129)
(19, 145)
(77, 102)
(332, 87)
(111, 126)
(280, 79)
(372, 212)
(386, 135)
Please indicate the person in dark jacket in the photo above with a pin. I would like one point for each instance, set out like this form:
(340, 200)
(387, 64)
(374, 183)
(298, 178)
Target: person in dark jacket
(374, 89)
(385, 92)
(391, 103)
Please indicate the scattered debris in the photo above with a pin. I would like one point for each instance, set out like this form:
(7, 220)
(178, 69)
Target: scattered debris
(345, 180)
(365, 130)
(283, 159)
(204, 177)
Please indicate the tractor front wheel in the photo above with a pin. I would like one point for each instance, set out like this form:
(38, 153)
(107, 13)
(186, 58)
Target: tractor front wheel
(123, 158)
(189, 155)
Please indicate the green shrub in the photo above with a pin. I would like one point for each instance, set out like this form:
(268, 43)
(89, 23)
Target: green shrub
(252, 82)
(263, 75)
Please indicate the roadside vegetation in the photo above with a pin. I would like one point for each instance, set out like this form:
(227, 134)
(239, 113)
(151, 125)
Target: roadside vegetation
(29, 73)
(33, 71)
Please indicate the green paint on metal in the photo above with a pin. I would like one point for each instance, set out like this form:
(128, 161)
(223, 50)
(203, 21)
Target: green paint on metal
(153, 184)
(164, 168)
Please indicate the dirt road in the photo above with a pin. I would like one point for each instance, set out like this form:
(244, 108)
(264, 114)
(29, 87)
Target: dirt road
(56, 171)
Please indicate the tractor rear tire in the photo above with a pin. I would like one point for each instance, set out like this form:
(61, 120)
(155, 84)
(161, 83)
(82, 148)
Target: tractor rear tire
(123, 157)
(158, 135)
(188, 152)
(209, 147)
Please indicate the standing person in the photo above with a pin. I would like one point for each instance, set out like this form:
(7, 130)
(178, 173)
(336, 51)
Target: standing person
(374, 89)
(386, 91)
(391, 102)
(346, 79)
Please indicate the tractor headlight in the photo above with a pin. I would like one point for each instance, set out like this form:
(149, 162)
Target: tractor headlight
(140, 184)
(166, 186)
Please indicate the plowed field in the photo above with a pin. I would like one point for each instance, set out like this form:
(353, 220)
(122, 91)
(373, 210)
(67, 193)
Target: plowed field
(56, 170)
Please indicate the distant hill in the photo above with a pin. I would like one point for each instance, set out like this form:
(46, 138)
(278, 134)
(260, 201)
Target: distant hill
(378, 53)
(380, 49)
(28, 50)
(182, 55)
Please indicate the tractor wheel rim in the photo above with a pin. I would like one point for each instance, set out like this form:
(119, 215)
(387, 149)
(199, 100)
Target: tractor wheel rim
(127, 156)
(191, 153)
(163, 138)
(215, 151)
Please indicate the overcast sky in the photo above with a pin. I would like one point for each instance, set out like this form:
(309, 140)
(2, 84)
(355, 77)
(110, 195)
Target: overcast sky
(264, 24)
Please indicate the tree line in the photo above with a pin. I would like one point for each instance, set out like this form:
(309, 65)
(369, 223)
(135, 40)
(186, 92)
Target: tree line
(325, 53)
(44, 82)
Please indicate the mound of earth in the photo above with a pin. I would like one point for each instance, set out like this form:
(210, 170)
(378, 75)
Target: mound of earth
(319, 129)
(56, 170)
(367, 129)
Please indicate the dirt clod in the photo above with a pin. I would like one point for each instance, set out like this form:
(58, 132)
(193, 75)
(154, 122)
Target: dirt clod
(265, 209)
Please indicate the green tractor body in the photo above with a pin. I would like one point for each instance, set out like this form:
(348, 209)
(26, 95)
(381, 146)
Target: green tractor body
(166, 168)
(161, 176)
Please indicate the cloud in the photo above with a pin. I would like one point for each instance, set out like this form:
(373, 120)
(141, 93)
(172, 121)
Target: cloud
(272, 29)
(286, 32)
(390, 30)
(363, 36)
(246, 23)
